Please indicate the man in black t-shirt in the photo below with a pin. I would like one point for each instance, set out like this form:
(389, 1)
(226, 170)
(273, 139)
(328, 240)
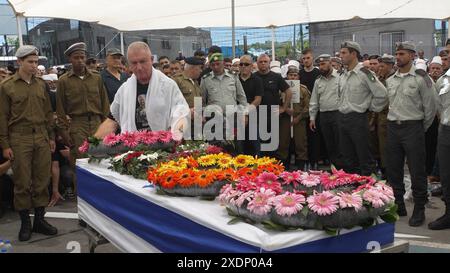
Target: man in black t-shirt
(273, 84)
(254, 91)
(308, 77)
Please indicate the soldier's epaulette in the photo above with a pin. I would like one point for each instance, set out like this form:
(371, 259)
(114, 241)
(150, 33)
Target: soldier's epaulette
(94, 71)
(369, 74)
(206, 76)
(425, 76)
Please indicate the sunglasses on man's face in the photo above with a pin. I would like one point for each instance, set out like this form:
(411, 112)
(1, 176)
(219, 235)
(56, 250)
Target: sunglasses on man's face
(244, 64)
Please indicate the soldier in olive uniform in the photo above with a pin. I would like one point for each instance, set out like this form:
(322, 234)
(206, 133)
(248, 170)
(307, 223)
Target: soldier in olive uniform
(386, 71)
(188, 84)
(325, 100)
(360, 91)
(27, 139)
(222, 88)
(81, 98)
(412, 108)
(300, 117)
(443, 87)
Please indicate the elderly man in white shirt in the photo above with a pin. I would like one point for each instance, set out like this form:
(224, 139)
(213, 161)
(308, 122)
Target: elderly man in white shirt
(165, 107)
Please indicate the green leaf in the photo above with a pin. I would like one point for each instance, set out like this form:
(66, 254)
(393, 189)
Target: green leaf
(368, 223)
(231, 213)
(390, 217)
(235, 220)
(271, 225)
(332, 231)
(305, 211)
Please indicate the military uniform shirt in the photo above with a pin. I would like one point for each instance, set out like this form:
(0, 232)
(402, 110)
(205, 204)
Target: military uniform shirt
(189, 88)
(80, 97)
(360, 90)
(24, 105)
(411, 97)
(443, 88)
(325, 96)
(223, 90)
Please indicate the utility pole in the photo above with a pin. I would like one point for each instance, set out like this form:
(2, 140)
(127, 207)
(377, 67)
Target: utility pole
(301, 37)
(233, 26)
(295, 41)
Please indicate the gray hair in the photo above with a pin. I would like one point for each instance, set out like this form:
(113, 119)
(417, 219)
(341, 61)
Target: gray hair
(139, 45)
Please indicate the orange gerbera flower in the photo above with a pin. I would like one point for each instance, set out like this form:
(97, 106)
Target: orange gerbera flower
(169, 180)
(204, 179)
(246, 172)
(187, 179)
(227, 175)
(192, 162)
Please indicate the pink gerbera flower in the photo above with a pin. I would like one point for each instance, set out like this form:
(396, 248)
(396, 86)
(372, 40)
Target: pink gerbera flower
(261, 204)
(347, 200)
(164, 136)
(374, 197)
(269, 181)
(84, 148)
(246, 196)
(324, 203)
(310, 180)
(111, 140)
(289, 204)
(387, 194)
(214, 150)
(129, 140)
(291, 178)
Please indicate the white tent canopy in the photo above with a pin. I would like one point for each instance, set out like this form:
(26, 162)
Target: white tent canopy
(167, 14)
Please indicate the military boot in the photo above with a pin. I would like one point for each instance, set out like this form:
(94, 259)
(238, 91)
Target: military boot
(25, 228)
(40, 225)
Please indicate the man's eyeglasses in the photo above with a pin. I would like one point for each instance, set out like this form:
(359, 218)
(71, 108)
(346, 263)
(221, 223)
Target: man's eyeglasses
(244, 64)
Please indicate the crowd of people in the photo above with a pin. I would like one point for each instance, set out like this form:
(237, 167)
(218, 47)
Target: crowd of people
(363, 114)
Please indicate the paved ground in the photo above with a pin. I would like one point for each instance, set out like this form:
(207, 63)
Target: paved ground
(70, 233)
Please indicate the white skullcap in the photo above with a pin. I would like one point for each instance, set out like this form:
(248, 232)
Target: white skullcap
(436, 60)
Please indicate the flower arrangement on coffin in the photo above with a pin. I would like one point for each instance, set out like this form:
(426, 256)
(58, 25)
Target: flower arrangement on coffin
(136, 164)
(263, 200)
(194, 149)
(319, 181)
(206, 175)
(114, 144)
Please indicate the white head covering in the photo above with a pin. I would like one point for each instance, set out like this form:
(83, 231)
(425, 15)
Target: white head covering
(436, 60)
(50, 77)
(235, 61)
(294, 63)
(275, 64)
(421, 65)
(41, 68)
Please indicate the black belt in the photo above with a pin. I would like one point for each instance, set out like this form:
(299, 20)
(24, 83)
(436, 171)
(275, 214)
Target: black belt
(405, 122)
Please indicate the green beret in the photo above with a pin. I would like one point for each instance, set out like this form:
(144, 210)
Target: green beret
(216, 57)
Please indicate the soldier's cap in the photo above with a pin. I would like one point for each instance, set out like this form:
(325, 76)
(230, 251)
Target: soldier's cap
(323, 58)
(27, 50)
(405, 46)
(216, 57)
(388, 59)
(195, 61)
(336, 59)
(293, 70)
(74, 48)
(352, 45)
(114, 52)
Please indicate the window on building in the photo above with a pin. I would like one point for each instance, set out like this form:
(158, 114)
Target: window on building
(165, 44)
(388, 41)
(196, 46)
(101, 43)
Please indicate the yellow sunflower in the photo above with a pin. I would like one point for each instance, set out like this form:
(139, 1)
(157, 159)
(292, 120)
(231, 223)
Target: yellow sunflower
(242, 161)
(206, 161)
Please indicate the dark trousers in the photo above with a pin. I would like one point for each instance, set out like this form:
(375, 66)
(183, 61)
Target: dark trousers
(407, 140)
(444, 160)
(354, 143)
(431, 138)
(314, 142)
(329, 124)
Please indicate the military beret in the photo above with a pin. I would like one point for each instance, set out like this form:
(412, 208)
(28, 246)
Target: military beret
(388, 59)
(352, 45)
(405, 46)
(27, 50)
(292, 69)
(323, 58)
(216, 57)
(336, 59)
(195, 61)
(75, 47)
(113, 52)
